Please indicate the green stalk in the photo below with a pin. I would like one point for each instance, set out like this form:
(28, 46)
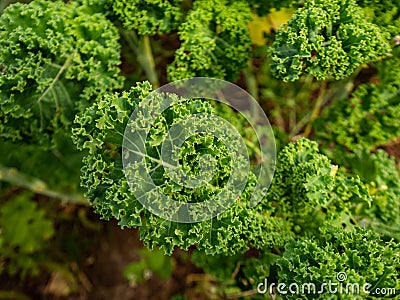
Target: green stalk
(11, 294)
(316, 109)
(337, 90)
(58, 75)
(15, 177)
(251, 81)
(142, 48)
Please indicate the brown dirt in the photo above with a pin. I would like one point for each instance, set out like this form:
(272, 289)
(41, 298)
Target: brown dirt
(393, 148)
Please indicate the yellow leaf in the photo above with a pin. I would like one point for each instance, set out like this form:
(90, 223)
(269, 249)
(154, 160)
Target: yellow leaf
(265, 24)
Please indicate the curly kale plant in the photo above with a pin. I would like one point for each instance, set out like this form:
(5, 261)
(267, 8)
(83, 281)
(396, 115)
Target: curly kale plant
(382, 178)
(55, 59)
(23, 243)
(307, 189)
(357, 263)
(215, 41)
(309, 193)
(384, 13)
(336, 263)
(265, 7)
(327, 39)
(100, 131)
(149, 16)
(332, 208)
(370, 118)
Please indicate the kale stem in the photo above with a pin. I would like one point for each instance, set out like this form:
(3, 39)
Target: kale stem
(56, 78)
(149, 59)
(13, 176)
(250, 79)
(242, 294)
(338, 90)
(142, 48)
(316, 109)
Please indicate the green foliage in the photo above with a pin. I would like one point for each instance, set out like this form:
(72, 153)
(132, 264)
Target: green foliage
(327, 39)
(55, 59)
(387, 69)
(359, 253)
(306, 189)
(100, 131)
(149, 16)
(60, 61)
(310, 193)
(22, 244)
(300, 164)
(151, 262)
(238, 272)
(215, 41)
(380, 173)
(220, 266)
(59, 168)
(103, 7)
(384, 13)
(370, 118)
(290, 101)
(264, 7)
